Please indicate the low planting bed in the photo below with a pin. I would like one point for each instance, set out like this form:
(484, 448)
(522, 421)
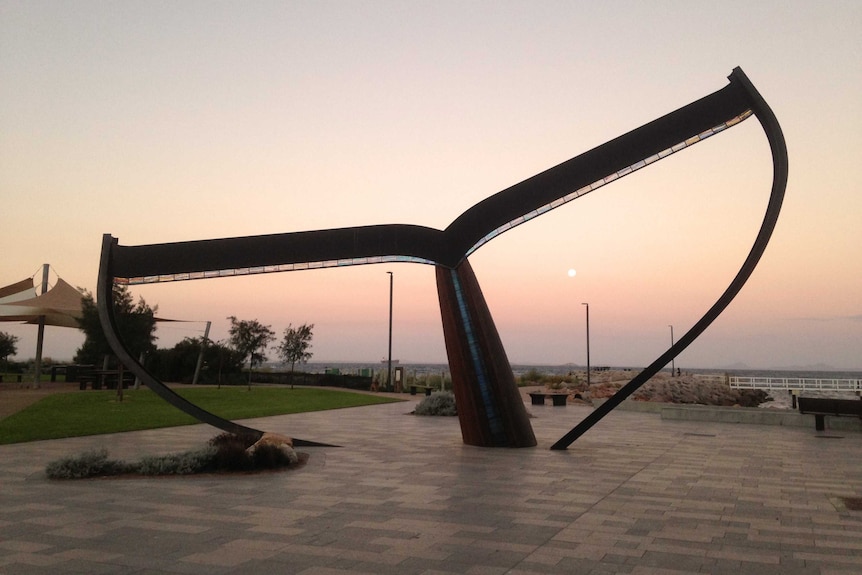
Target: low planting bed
(438, 403)
(225, 453)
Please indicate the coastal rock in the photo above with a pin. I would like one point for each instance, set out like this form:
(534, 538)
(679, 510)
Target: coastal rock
(683, 389)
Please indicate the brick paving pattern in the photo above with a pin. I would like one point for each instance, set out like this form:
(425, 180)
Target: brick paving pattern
(404, 496)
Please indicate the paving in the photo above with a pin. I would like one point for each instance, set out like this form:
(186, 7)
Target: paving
(403, 495)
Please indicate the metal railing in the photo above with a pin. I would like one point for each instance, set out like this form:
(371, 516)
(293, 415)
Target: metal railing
(795, 383)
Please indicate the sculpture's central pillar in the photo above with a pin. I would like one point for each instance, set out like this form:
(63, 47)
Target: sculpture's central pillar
(490, 408)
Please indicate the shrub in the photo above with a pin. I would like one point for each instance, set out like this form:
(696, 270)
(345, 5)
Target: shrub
(438, 403)
(186, 463)
(225, 452)
(271, 456)
(554, 384)
(92, 463)
(233, 440)
(434, 381)
(531, 377)
(230, 452)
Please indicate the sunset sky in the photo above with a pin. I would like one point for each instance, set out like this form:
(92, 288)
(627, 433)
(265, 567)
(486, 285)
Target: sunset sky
(169, 121)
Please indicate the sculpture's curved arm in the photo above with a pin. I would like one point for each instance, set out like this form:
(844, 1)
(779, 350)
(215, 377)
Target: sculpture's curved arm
(485, 220)
(343, 246)
(601, 165)
(779, 183)
(104, 296)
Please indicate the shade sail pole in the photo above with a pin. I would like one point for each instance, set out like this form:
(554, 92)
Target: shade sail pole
(40, 334)
(201, 353)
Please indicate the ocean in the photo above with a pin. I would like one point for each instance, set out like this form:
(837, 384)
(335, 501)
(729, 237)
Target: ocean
(777, 400)
(520, 369)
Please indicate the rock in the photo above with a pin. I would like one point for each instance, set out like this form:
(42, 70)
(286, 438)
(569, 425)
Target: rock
(274, 439)
(281, 442)
(685, 389)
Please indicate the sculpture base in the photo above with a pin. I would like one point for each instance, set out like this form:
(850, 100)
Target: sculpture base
(490, 408)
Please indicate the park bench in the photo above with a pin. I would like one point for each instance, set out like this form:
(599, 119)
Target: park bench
(538, 398)
(821, 407)
(96, 378)
(70, 372)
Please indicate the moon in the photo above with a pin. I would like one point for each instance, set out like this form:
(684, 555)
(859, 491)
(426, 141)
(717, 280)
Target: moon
(572, 273)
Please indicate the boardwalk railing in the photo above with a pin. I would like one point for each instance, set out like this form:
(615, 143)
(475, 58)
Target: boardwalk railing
(795, 383)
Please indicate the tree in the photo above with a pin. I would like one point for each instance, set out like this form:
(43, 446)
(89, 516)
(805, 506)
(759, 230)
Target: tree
(8, 346)
(178, 363)
(294, 346)
(250, 338)
(136, 323)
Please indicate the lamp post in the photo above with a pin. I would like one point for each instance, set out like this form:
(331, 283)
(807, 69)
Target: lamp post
(389, 377)
(588, 342)
(672, 368)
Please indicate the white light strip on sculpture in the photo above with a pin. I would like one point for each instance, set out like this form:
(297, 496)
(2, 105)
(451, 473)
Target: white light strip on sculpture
(269, 269)
(608, 179)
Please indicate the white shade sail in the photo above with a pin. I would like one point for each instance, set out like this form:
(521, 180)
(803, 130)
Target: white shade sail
(60, 306)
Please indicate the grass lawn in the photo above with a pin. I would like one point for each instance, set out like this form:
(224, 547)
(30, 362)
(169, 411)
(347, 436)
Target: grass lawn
(95, 412)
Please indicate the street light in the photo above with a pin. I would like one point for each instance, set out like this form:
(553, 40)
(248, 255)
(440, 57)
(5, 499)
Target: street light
(588, 343)
(389, 377)
(672, 369)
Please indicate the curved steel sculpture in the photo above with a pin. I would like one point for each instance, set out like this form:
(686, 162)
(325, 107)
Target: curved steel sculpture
(778, 146)
(491, 412)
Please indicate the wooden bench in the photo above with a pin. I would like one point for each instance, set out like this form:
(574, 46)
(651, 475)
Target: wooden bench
(96, 378)
(539, 398)
(71, 372)
(821, 407)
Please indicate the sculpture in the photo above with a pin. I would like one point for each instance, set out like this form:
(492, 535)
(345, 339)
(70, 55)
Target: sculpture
(490, 409)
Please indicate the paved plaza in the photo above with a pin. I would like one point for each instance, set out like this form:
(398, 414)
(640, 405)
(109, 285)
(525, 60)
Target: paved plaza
(403, 495)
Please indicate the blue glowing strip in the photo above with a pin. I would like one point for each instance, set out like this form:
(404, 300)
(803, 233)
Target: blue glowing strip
(494, 421)
(610, 178)
(271, 269)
